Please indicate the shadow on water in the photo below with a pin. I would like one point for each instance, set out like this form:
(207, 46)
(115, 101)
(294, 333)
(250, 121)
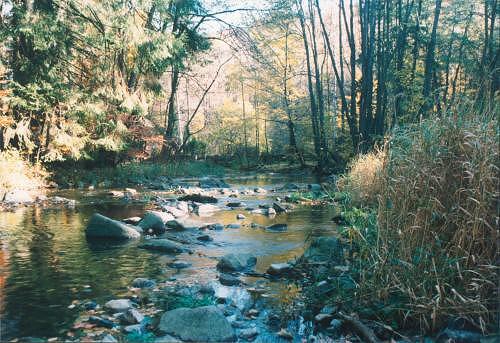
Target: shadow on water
(46, 262)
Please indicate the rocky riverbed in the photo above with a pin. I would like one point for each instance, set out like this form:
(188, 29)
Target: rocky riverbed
(124, 263)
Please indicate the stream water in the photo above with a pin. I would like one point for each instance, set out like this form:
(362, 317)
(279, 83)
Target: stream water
(46, 262)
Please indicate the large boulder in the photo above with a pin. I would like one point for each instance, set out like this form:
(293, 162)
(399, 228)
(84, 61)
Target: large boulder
(119, 305)
(163, 245)
(204, 199)
(201, 324)
(155, 221)
(100, 226)
(18, 196)
(184, 224)
(236, 262)
(279, 269)
(324, 249)
(176, 212)
(205, 209)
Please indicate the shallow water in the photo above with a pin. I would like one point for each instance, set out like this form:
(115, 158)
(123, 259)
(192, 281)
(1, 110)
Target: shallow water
(46, 261)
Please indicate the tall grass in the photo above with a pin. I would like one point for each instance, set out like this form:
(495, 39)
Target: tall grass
(433, 253)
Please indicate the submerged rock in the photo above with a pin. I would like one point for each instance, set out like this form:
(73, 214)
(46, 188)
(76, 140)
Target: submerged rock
(277, 228)
(180, 264)
(248, 333)
(163, 245)
(236, 262)
(132, 220)
(131, 316)
(279, 208)
(143, 283)
(233, 226)
(105, 323)
(240, 216)
(201, 324)
(183, 224)
(100, 226)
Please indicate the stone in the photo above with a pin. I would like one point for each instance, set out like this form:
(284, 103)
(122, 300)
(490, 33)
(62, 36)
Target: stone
(179, 264)
(335, 326)
(249, 333)
(229, 280)
(455, 335)
(234, 296)
(325, 249)
(116, 194)
(200, 198)
(323, 318)
(132, 316)
(271, 212)
(100, 226)
(205, 209)
(204, 238)
(155, 221)
(137, 329)
(256, 226)
(233, 226)
(119, 305)
(240, 216)
(167, 339)
(234, 204)
(18, 196)
(277, 228)
(253, 312)
(259, 211)
(290, 187)
(90, 305)
(177, 213)
(143, 283)
(215, 227)
(212, 183)
(279, 208)
(183, 224)
(259, 190)
(236, 262)
(101, 322)
(163, 245)
(183, 206)
(279, 269)
(109, 339)
(201, 324)
(314, 187)
(283, 333)
(132, 220)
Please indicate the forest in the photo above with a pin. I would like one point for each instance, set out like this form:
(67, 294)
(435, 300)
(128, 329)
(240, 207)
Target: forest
(274, 170)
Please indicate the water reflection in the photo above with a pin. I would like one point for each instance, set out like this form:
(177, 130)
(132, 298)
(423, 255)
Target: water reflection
(46, 261)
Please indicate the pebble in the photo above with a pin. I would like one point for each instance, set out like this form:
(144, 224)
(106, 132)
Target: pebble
(240, 216)
(249, 333)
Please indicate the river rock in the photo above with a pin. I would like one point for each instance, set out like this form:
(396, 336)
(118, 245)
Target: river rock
(167, 339)
(259, 211)
(325, 249)
(180, 264)
(234, 296)
(212, 183)
(100, 226)
(259, 190)
(109, 339)
(204, 238)
(248, 333)
(234, 204)
(233, 226)
(116, 194)
(18, 196)
(279, 208)
(200, 198)
(137, 329)
(279, 269)
(177, 213)
(132, 220)
(131, 316)
(271, 212)
(277, 228)
(323, 318)
(119, 305)
(101, 322)
(205, 209)
(314, 187)
(163, 245)
(240, 216)
(236, 262)
(215, 227)
(143, 283)
(201, 324)
(183, 224)
(229, 280)
(155, 221)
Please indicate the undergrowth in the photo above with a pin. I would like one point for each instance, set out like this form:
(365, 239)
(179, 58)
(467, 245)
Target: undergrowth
(18, 173)
(422, 226)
